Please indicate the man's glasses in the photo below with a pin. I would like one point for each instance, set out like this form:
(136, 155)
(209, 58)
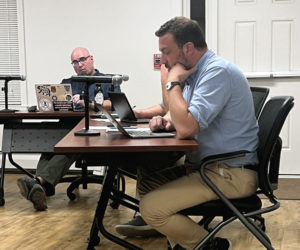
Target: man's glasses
(81, 60)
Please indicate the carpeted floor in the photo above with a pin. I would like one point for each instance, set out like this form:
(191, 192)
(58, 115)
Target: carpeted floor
(288, 189)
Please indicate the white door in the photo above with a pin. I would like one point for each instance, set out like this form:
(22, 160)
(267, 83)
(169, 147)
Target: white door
(262, 37)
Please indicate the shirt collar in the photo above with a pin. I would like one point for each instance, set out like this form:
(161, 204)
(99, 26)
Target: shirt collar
(200, 64)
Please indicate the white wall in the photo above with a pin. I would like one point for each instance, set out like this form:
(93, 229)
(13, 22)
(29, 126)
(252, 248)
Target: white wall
(118, 33)
(261, 37)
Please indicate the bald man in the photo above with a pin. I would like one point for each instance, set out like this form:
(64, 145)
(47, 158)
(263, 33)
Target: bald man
(52, 167)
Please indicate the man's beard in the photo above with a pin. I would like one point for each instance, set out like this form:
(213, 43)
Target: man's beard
(182, 60)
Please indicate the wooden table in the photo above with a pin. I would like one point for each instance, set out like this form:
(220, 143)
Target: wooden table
(32, 132)
(114, 145)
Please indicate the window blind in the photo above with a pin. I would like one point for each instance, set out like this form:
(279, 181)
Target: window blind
(9, 51)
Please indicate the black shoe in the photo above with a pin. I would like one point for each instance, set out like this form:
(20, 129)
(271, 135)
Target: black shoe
(218, 244)
(49, 189)
(32, 190)
(137, 227)
(176, 247)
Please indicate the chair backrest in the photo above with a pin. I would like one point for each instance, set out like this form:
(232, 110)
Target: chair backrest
(270, 124)
(259, 95)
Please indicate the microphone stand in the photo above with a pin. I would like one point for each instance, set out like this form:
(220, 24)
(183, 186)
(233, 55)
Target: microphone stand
(112, 88)
(107, 79)
(87, 131)
(5, 89)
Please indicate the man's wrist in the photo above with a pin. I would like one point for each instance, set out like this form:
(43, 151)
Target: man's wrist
(170, 85)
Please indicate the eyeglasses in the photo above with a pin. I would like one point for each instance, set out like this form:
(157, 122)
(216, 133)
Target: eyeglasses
(81, 60)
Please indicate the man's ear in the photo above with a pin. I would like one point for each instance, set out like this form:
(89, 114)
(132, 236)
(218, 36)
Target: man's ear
(188, 48)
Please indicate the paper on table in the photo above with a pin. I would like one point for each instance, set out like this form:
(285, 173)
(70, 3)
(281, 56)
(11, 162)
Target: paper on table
(103, 120)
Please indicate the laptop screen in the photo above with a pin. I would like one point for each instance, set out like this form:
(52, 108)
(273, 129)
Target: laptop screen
(54, 97)
(122, 106)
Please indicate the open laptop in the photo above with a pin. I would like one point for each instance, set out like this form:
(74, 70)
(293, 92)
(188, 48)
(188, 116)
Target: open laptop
(121, 105)
(54, 97)
(134, 134)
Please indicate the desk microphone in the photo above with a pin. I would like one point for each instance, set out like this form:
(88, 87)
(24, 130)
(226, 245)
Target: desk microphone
(6, 79)
(12, 77)
(114, 79)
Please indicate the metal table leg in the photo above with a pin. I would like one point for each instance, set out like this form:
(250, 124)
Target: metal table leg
(18, 166)
(2, 201)
(100, 211)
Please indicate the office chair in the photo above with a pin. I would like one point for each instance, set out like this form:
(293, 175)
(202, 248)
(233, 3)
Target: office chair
(82, 179)
(259, 95)
(246, 209)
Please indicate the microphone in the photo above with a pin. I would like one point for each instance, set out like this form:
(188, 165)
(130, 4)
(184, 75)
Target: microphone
(114, 79)
(12, 77)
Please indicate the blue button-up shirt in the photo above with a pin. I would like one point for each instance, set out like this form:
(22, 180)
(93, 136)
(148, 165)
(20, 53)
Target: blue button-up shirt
(219, 98)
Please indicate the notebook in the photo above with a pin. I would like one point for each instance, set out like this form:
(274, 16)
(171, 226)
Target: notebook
(54, 97)
(134, 134)
(121, 105)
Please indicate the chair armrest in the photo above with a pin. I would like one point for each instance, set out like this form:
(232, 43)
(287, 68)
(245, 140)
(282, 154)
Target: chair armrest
(213, 187)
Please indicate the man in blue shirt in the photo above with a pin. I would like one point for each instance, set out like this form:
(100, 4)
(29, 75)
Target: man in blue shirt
(52, 167)
(216, 109)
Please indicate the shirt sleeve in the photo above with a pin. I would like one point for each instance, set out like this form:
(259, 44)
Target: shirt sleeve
(211, 93)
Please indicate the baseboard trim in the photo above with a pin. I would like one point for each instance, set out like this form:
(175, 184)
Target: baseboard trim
(289, 176)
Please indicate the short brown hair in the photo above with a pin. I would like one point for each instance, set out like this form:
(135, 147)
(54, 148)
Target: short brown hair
(183, 30)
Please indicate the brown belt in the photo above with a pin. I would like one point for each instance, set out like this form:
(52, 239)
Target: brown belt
(251, 167)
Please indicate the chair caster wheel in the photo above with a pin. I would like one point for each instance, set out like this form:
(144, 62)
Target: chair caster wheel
(71, 196)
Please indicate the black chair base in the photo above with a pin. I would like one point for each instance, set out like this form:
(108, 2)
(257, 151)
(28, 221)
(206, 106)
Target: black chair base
(76, 181)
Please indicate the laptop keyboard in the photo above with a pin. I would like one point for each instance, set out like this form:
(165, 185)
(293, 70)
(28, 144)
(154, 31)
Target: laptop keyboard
(139, 133)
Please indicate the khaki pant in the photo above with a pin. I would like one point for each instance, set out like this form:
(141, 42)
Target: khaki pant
(159, 207)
